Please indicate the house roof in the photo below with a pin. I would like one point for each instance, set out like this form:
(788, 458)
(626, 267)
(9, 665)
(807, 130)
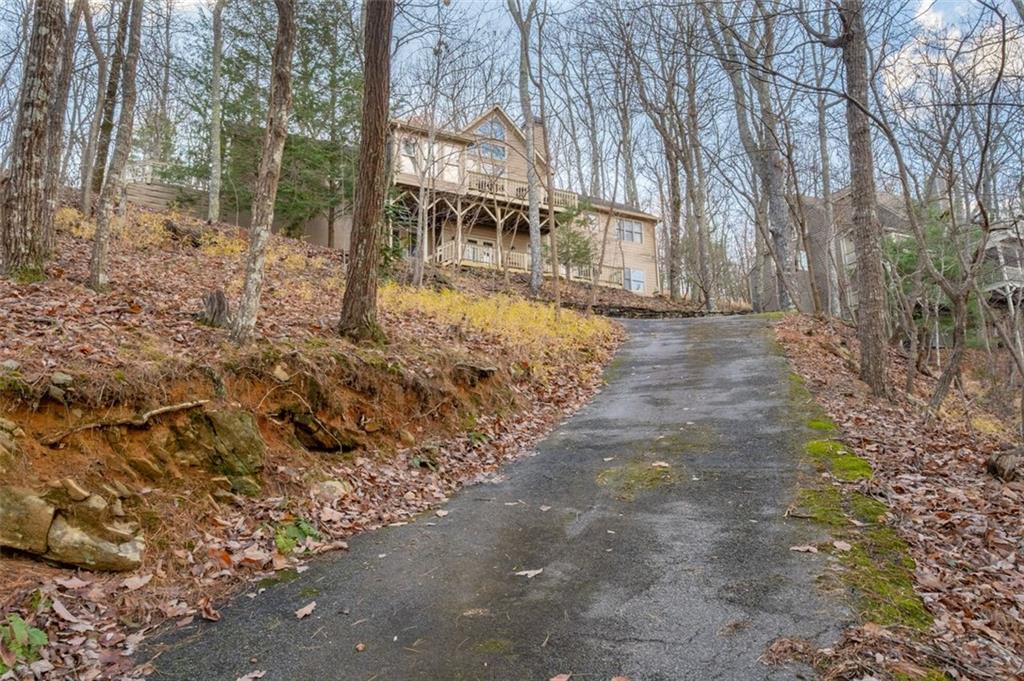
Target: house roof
(622, 208)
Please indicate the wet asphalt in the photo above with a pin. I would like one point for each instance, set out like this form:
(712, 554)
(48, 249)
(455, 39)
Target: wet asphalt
(652, 572)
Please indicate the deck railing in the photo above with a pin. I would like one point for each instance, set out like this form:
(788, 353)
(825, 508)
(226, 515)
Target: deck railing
(519, 190)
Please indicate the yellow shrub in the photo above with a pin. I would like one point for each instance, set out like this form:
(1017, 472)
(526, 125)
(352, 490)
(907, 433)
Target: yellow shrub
(71, 220)
(527, 324)
(216, 243)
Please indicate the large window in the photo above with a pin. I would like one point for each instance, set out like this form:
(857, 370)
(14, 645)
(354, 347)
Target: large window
(633, 280)
(630, 230)
(492, 129)
(490, 150)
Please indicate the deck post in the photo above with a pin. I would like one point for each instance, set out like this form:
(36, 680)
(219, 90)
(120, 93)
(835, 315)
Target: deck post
(458, 231)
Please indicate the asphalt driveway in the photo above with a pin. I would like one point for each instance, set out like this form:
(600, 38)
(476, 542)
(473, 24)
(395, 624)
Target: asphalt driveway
(679, 570)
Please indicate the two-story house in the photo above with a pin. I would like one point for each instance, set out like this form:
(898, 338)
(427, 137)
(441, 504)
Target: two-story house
(468, 192)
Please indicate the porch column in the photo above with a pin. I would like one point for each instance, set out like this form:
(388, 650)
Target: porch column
(458, 231)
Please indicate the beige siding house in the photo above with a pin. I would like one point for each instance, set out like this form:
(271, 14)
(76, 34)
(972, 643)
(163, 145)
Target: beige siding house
(469, 190)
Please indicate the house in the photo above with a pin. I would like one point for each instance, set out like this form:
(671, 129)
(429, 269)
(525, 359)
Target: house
(467, 192)
(813, 254)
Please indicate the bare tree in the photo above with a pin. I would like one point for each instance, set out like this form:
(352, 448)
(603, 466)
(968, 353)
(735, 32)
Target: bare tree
(359, 305)
(111, 190)
(279, 104)
(106, 124)
(26, 213)
(213, 204)
(524, 18)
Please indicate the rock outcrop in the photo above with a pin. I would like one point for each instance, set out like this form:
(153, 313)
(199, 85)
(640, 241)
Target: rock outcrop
(227, 442)
(55, 526)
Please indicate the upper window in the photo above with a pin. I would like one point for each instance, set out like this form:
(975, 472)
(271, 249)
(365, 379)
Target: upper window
(489, 150)
(630, 230)
(493, 129)
(409, 146)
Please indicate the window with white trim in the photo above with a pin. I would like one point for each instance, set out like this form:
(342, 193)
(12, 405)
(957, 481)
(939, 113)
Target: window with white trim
(630, 230)
(491, 150)
(633, 280)
(409, 146)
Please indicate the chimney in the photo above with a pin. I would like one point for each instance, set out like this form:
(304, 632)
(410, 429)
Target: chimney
(538, 134)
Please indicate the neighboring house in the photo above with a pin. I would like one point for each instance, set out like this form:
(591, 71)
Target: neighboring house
(817, 254)
(472, 186)
(1002, 273)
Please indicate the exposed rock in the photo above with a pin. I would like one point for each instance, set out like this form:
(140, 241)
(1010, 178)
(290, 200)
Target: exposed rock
(71, 544)
(281, 374)
(332, 490)
(1007, 465)
(228, 442)
(9, 426)
(55, 393)
(24, 519)
(471, 374)
(95, 503)
(317, 436)
(406, 437)
(74, 490)
(117, 509)
(145, 466)
(225, 495)
(221, 482)
(371, 426)
(60, 379)
(10, 365)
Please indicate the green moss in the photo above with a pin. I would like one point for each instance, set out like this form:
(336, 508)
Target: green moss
(494, 646)
(824, 506)
(771, 316)
(279, 577)
(821, 424)
(692, 439)
(635, 476)
(866, 509)
(849, 468)
(838, 459)
(930, 675)
(309, 592)
(881, 572)
(825, 449)
(28, 275)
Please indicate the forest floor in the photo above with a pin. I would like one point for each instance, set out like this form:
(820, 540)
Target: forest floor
(952, 533)
(356, 437)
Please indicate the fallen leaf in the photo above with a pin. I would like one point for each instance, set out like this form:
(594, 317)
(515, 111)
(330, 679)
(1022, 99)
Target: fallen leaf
(561, 677)
(545, 508)
(305, 610)
(440, 513)
(252, 676)
(360, 647)
(804, 548)
(63, 612)
(661, 464)
(841, 545)
(71, 582)
(207, 610)
(136, 582)
(620, 678)
(529, 574)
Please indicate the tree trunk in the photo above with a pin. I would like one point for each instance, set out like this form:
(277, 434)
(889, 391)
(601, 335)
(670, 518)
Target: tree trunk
(106, 128)
(89, 152)
(524, 22)
(550, 167)
(109, 194)
(25, 209)
(867, 231)
(359, 305)
(213, 210)
(279, 105)
(58, 110)
(698, 195)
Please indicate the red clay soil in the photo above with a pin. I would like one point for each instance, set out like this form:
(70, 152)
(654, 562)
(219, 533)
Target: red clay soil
(425, 430)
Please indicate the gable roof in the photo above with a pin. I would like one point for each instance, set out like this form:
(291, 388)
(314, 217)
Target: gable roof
(499, 111)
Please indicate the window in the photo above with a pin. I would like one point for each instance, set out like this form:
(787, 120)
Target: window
(409, 146)
(489, 150)
(633, 280)
(492, 129)
(630, 230)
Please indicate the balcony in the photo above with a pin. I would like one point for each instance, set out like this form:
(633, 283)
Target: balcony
(516, 190)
